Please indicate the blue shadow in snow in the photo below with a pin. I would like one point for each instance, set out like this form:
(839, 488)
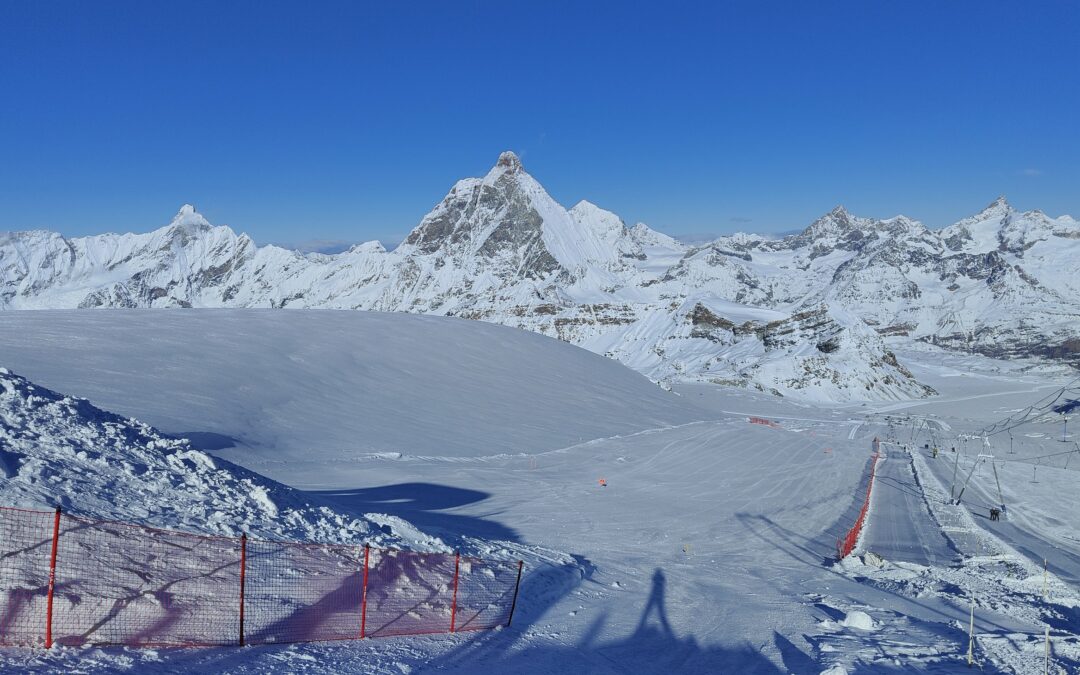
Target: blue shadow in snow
(425, 505)
(653, 647)
(207, 441)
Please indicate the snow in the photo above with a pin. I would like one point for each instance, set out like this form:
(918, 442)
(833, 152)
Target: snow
(499, 248)
(709, 550)
(297, 395)
(860, 620)
(62, 451)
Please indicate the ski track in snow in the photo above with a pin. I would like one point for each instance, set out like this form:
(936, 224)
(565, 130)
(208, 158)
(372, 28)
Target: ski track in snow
(709, 550)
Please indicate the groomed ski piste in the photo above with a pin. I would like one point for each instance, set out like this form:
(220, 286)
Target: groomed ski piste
(708, 547)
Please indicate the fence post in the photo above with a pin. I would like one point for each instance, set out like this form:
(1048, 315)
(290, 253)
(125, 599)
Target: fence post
(52, 580)
(243, 574)
(363, 594)
(517, 587)
(453, 607)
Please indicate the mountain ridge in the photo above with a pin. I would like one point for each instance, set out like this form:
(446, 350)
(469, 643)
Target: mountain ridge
(499, 248)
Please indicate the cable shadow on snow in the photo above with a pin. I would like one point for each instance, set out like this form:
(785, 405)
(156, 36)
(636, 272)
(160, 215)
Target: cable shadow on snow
(426, 505)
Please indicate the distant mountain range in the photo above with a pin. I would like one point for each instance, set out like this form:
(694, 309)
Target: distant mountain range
(808, 314)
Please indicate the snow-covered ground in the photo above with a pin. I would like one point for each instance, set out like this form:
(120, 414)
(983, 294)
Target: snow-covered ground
(301, 398)
(709, 549)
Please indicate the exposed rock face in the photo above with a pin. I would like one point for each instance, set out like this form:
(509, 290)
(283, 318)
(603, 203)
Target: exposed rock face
(804, 315)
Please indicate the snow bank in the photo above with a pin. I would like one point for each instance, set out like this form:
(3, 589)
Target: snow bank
(59, 450)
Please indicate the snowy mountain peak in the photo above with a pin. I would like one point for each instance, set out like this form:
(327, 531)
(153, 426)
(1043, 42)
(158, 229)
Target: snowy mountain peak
(509, 161)
(584, 206)
(590, 215)
(995, 210)
(188, 217)
(834, 224)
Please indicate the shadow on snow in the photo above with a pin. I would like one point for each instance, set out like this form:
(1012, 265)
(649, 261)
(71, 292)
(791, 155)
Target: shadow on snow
(425, 505)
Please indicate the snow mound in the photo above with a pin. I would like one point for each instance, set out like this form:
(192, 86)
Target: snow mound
(60, 450)
(859, 620)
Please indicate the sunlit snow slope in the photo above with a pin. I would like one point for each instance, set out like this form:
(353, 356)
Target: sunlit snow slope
(298, 395)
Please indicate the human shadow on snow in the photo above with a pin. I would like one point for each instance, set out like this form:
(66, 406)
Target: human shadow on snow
(653, 647)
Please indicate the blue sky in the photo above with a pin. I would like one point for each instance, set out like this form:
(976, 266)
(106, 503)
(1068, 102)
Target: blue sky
(349, 121)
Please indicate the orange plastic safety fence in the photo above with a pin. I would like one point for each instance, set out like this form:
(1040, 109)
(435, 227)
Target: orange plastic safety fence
(125, 584)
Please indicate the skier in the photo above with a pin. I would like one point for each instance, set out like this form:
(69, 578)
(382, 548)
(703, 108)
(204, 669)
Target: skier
(995, 513)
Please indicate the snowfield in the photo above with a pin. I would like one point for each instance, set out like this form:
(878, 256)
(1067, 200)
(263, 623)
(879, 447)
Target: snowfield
(709, 548)
(301, 397)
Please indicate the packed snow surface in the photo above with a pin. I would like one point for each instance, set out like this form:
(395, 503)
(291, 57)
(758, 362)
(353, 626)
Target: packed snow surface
(300, 396)
(707, 548)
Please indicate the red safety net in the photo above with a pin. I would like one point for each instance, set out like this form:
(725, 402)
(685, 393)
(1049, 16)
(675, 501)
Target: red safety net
(124, 584)
(25, 550)
(846, 544)
(409, 593)
(302, 592)
(485, 593)
(131, 585)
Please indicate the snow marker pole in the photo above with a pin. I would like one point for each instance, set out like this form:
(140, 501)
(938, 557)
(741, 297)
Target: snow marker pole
(1044, 579)
(955, 467)
(52, 580)
(971, 635)
(997, 480)
(1047, 634)
(967, 480)
(363, 594)
(453, 607)
(517, 587)
(243, 574)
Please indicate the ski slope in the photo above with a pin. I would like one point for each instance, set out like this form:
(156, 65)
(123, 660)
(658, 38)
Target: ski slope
(299, 396)
(902, 528)
(708, 550)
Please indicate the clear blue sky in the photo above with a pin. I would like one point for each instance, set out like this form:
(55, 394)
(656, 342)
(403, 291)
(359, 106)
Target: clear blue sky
(349, 121)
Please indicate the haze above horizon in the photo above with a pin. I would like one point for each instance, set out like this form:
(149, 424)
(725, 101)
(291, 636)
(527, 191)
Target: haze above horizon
(349, 122)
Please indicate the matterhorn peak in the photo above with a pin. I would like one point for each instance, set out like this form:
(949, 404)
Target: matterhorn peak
(509, 161)
(187, 216)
